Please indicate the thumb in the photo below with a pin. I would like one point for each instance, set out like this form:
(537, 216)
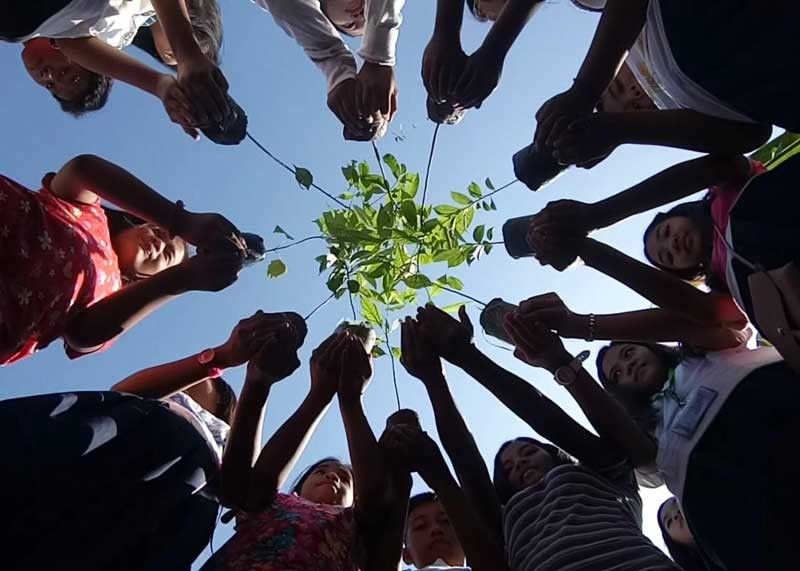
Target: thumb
(464, 317)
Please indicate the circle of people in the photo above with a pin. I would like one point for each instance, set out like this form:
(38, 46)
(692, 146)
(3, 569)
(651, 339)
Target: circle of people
(133, 478)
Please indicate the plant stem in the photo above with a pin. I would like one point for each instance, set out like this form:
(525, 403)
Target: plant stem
(383, 174)
(295, 243)
(485, 196)
(391, 359)
(313, 311)
(428, 168)
(291, 170)
(462, 294)
(349, 293)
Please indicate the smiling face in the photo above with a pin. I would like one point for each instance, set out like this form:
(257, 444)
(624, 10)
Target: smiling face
(525, 463)
(146, 250)
(675, 243)
(430, 536)
(673, 522)
(329, 483)
(634, 368)
(346, 15)
(52, 70)
(625, 94)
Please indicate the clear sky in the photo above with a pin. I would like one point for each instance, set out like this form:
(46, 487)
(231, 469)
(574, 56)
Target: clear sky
(284, 96)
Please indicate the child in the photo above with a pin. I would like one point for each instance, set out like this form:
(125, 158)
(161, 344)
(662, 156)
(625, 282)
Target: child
(727, 92)
(679, 539)
(73, 49)
(65, 274)
(430, 542)
(558, 513)
(316, 526)
(362, 99)
(120, 479)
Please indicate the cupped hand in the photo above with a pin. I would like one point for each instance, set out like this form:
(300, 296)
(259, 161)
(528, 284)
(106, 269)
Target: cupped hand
(211, 232)
(343, 102)
(277, 357)
(210, 272)
(587, 141)
(450, 338)
(376, 92)
(443, 64)
(553, 249)
(326, 365)
(558, 113)
(176, 104)
(550, 311)
(565, 218)
(535, 344)
(479, 79)
(417, 355)
(206, 87)
(356, 369)
(414, 449)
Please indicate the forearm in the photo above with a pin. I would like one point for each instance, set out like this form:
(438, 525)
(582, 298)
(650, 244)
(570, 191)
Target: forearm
(611, 421)
(465, 455)
(621, 23)
(369, 472)
(659, 287)
(383, 533)
(674, 183)
(164, 380)
(281, 452)
(103, 59)
(449, 16)
(243, 443)
(506, 29)
(484, 550)
(651, 325)
(122, 310)
(532, 407)
(688, 129)
(379, 43)
(174, 19)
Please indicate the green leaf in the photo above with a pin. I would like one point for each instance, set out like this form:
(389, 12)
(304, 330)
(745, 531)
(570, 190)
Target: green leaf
(370, 312)
(454, 307)
(396, 352)
(351, 174)
(445, 209)
(409, 210)
(474, 190)
(353, 286)
(488, 248)
(478, 233)
(303, 177)
(391, 162)
(489, 184)
(378, 352)
(492, 205)
(276, 268)
(418, 281)
(429, 225)
(490, 234)
(459, 198)
(335, 282)
(454, 283)
(279, 230)
(411, 186)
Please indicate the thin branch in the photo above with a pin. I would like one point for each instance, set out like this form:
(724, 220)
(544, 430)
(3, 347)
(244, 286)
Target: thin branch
(428, 168)
(292, 170)
(462, 294)
(350, 293)
(485, 196)
(313, 311)
(383, 174)
(391, 359)
(296, 243)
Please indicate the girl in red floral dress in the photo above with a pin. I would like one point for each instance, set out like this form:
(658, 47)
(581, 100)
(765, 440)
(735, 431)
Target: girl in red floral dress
(64, 273)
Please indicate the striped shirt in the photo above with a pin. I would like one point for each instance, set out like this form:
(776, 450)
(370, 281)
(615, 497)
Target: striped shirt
(578, 519)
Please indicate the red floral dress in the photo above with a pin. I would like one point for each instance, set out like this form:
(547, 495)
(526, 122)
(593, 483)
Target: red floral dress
(55, 258)
(292, 534)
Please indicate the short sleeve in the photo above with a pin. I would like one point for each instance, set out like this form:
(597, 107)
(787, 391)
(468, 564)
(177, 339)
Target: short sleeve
(73, 353)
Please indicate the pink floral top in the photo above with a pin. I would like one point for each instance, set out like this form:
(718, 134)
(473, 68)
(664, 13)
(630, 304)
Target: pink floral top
(56, 258)
(292, 534)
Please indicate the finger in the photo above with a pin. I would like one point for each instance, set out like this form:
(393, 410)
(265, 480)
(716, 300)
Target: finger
(192, 132)
(426, 78)
(557, 129)
(404, 342)
(220, 80)
(213, 101)
(443, 83)
(463, 316)
(537, 302)
(392, 105)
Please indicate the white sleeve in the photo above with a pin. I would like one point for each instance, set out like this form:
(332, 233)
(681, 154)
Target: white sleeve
(304, 21)
(382, 29)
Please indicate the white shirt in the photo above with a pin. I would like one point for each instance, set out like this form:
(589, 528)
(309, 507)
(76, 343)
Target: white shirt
(304, 21)
(701, 387)
(441, 565)
(214, 430)
(115, 22)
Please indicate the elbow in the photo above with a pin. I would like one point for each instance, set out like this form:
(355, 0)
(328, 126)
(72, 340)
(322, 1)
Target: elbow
(82, 164)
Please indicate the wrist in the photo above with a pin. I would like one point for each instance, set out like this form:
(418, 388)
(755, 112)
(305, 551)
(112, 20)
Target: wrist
(319, 398)
(464, 356)
(562, 359)
(222, 357)
(173, 280)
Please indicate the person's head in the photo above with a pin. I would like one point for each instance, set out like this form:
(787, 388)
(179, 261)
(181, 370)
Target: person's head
(327, 481)
(347, 16)
(142, 249)
(429, 534)
(678, 537)
(523, 462)
(625, 94)
(679, 241)
(634, 372)
(216, 396)
(485, 10)
(76, 89)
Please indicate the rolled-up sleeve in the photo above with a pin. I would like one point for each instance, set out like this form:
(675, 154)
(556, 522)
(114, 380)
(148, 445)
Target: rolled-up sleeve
(304, 21)
(379, 44)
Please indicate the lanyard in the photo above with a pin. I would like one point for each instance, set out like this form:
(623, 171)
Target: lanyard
(669, 391)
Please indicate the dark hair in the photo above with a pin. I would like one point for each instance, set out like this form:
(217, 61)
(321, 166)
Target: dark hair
(119, 220)
(421, 499)
(226, 400)
(500, 479)
(298, 484)
(687, 556)
(699, 212)
(206, 20)
(92, 99)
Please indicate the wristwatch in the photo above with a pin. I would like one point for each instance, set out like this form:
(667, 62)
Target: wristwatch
(207, 358)
(567, 374)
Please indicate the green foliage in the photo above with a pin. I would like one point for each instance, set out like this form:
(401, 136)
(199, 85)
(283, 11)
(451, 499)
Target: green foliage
(379, 247)
(778, 150)
(276, 268)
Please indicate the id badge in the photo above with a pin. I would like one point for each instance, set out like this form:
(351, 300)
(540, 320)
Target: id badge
(691, 416)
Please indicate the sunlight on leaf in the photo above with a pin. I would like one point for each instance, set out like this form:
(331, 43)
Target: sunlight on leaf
(276, 268)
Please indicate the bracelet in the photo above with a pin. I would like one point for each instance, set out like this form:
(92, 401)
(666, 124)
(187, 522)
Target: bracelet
(173, 219)
(592, 324)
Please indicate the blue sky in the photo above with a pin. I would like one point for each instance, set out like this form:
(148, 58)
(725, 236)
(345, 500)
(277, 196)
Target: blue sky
(284, 96)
